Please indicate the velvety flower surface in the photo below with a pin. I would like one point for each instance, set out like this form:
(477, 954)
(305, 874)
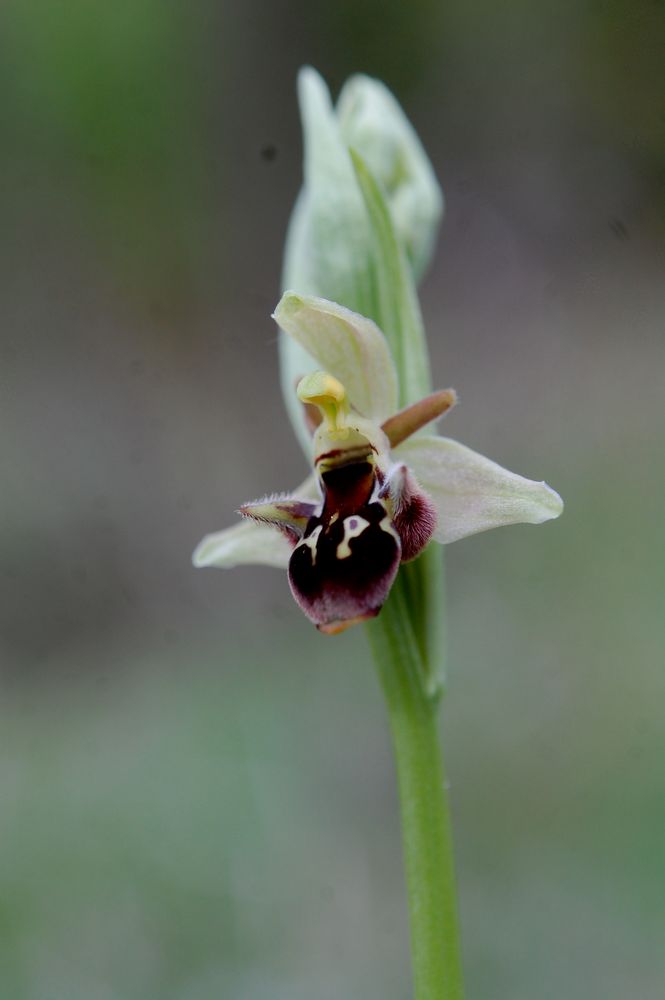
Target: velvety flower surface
(382, 486)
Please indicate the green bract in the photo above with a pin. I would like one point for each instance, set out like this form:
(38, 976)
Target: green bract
(372, 123)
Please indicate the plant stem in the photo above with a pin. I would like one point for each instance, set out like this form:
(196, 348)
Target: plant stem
(427, 841)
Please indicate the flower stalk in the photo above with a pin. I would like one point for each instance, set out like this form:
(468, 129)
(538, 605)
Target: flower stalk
(426, 826)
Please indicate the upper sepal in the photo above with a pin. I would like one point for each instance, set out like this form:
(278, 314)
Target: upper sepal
(345, 344)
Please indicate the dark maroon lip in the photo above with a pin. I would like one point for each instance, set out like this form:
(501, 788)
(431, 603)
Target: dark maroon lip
(334, 588)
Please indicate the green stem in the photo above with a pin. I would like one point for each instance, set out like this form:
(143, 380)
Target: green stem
(428, 853)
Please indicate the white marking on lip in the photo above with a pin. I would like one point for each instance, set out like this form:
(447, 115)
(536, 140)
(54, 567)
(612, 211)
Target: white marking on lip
(310, 543)
(353, 526)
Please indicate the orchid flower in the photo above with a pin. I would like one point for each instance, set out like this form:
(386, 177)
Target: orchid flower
(384, 486)
(381, 488)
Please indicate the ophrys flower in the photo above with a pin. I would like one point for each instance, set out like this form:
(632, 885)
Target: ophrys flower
(381, 489)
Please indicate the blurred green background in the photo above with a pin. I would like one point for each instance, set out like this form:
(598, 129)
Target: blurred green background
(196, 790)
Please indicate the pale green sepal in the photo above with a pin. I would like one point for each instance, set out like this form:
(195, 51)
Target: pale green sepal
(471, 493)
(397, 309)
(372, 122)
(245, 543)
(348, 346)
